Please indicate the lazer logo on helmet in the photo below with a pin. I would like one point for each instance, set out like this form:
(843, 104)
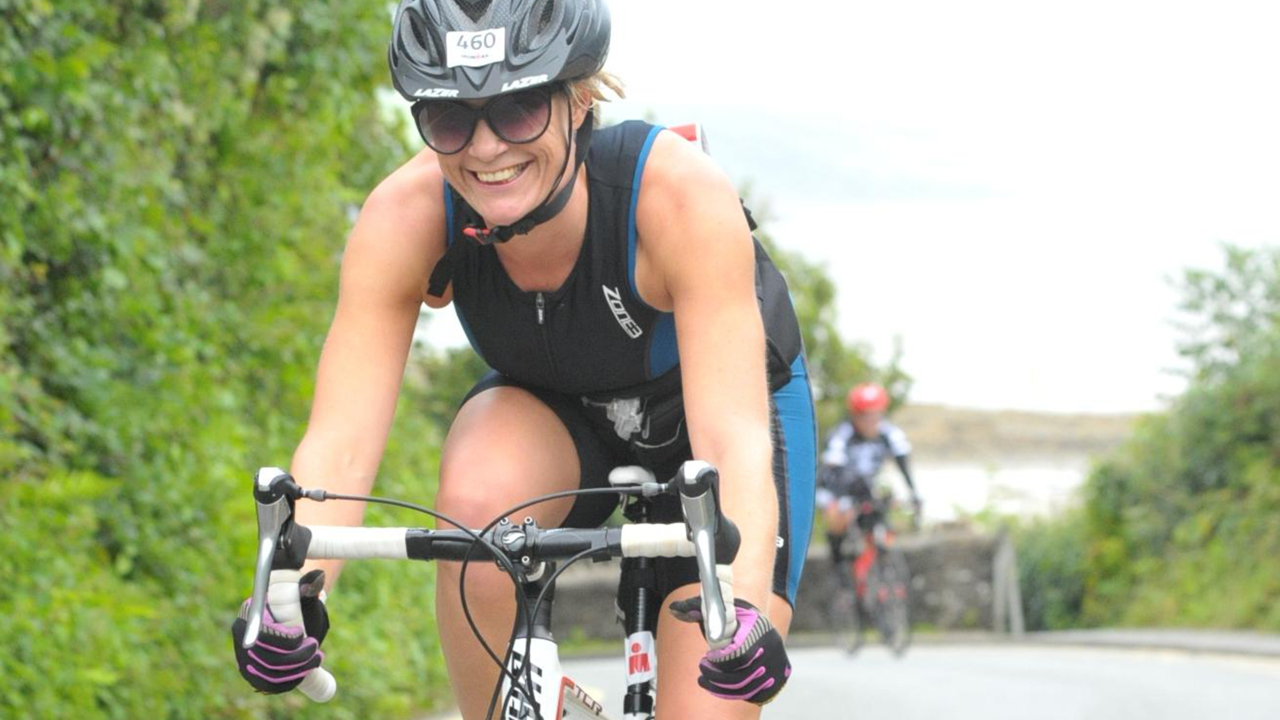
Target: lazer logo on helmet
(524, 82)
(620, 313)
(435, 93)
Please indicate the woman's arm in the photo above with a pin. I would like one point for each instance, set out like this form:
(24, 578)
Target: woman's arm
(395, 242)
(698, 259)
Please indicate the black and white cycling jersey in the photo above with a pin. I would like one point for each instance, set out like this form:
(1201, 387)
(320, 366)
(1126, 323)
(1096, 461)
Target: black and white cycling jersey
(851, 462)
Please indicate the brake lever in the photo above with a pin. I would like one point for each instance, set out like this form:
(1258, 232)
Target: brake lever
(715, 539)
(273, 492)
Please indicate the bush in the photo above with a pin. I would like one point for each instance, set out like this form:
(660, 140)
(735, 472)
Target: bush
(1178, 525)
(1052, 571)
(175, 184)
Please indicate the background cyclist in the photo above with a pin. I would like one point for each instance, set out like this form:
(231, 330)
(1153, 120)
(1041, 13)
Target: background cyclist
(610, 280)
(854, 453)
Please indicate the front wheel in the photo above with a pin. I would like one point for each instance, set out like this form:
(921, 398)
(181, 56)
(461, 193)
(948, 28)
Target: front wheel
(846, 626)
(888, 589)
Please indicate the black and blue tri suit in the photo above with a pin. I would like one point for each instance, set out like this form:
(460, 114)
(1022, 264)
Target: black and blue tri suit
(608, 365)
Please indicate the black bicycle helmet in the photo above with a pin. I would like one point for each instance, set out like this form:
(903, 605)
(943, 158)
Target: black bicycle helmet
(469, 49)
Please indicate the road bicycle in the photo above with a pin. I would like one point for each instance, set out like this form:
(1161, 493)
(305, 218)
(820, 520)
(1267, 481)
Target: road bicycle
(533, 685)
(874, 585)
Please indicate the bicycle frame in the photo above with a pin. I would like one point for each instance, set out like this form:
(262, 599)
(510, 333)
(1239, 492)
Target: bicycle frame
(875, 536)
(554, 693)
(638, 601)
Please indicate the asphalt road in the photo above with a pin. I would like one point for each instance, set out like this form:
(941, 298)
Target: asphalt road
(995, 682)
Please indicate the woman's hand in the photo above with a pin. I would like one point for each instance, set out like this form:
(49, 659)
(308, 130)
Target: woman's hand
(753, 667)
(284, 654)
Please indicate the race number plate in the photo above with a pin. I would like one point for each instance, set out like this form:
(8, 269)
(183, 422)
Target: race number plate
(475, 49)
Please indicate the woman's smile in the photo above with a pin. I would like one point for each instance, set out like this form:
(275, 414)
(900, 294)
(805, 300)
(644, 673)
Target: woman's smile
(505, 176)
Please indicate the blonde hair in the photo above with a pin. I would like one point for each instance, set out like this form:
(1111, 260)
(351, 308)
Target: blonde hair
(590, 90)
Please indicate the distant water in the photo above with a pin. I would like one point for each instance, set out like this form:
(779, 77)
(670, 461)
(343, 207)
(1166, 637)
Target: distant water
(953, 491)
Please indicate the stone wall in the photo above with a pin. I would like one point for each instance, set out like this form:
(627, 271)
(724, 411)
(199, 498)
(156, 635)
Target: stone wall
(951, 588)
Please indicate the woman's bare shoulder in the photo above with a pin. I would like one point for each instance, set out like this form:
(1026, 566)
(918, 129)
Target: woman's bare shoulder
(399, 233)
(413, 193)
(681, 186)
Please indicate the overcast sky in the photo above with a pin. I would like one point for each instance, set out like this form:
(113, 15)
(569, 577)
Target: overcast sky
(1008, 186)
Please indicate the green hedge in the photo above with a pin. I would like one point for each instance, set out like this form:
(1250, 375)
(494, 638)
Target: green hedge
(175, 184)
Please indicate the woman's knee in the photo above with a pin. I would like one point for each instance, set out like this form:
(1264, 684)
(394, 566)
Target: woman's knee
(505, 446)
(486, 583)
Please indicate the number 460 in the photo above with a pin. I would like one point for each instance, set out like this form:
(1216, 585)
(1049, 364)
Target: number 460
(479, 41)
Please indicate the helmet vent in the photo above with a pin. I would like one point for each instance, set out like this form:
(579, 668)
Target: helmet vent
(544, 20)
(475, 9)
(421, 37)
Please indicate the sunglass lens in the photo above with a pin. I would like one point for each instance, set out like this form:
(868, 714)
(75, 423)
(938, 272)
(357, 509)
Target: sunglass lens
(521, 117)
(446, 126)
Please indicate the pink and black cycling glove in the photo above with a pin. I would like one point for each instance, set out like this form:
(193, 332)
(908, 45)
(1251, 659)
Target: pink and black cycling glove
(753, 667)
(283, 655)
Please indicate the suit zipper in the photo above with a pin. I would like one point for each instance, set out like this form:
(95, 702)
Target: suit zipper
(541, 302)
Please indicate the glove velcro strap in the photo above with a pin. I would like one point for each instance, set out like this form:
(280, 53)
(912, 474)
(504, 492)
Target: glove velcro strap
(741, 646)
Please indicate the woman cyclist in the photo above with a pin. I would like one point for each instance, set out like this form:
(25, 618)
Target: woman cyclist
(610, 280)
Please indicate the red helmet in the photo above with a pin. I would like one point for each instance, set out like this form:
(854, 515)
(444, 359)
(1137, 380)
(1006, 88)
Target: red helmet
(867, 397)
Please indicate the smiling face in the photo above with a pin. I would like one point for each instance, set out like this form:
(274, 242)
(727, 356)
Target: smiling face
(503, 181)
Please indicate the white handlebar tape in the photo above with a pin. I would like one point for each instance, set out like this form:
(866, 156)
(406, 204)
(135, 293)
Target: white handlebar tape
(286, 608)
(658, 540)
(340, 541)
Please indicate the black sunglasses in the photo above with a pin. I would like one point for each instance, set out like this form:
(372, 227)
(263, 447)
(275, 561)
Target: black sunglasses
(520, 117)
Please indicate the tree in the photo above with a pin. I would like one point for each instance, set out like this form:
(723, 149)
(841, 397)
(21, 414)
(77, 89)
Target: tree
(174, 185)
(1180, 520)
(835, 365)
